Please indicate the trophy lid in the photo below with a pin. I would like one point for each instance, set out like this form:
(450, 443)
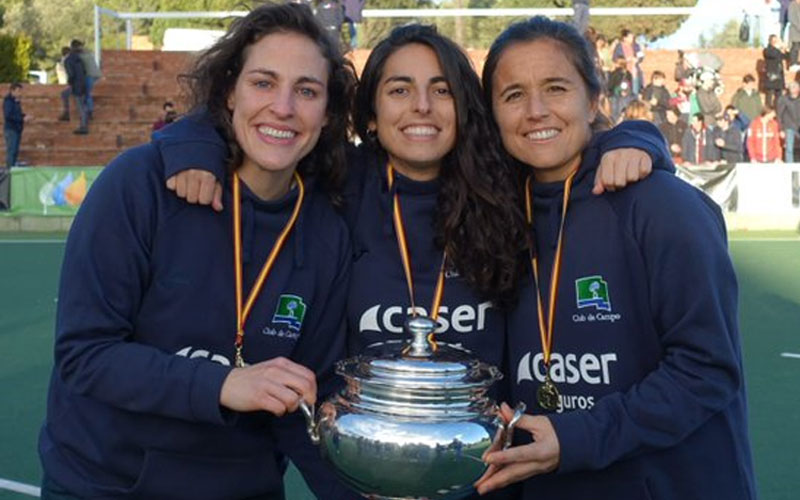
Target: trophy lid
(419, 363)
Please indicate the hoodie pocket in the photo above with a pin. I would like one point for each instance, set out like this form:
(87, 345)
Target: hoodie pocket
(171, 476)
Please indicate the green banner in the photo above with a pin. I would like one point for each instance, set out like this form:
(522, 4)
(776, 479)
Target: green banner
(50, 191)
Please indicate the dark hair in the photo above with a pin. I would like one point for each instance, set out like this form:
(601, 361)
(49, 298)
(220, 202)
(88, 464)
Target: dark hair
(214, 75)
(748, 78)
(538, 28)
(170, 116)
(625, 32)
(167, 104)
(75, 44)
(700, 117)
(658, 74)
(15, 86)
(65, 51)
(478, 220)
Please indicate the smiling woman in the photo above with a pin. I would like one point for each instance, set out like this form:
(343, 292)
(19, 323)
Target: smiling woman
(633, 371)
(188, 337)
(278, 108)
(414, 112)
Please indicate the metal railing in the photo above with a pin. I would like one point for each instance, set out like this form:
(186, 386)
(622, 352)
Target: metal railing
(128, 17)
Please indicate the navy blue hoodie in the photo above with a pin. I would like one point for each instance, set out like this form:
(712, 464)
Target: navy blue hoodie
(646, 349)
(144, 340)
(13, 117)
(378, 299)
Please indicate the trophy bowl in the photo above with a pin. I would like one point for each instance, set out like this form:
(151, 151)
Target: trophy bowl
(413, 420)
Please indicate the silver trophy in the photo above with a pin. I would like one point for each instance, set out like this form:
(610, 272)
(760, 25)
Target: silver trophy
(413, 421)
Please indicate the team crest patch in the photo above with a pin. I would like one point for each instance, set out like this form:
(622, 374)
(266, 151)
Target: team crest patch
(592, 291)
(291, 311)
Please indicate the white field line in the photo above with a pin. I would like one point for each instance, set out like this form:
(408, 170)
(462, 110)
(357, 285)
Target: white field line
(757, 240)
(29, 242)
(25, 489)
(790, 355)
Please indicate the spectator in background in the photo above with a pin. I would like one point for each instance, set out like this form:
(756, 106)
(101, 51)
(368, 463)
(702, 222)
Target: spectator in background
(61, 72)
(747, 99)
(697, 147)
(169, 115)
(793, 15)
(605, 57)
(620, 82)
(682, 69)
(763, 138)
(742, 124)
(13, 122)
(92, 75)
(737, 119)
(682, 99)
(76, 78)
(784, 18)
(633, 55)
(352, 16)
(330, 15)
(774, 56)
(657, 96)
(789, 119)
(637, 110)
(707, 100)
(674, 128)
(728, 141)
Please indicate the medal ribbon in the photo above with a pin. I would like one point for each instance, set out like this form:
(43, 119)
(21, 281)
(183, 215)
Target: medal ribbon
(242, 312)
(402, 245)
(546, 330)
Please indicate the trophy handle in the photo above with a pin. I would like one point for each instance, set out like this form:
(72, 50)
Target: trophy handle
(312, 426)
(519, 411)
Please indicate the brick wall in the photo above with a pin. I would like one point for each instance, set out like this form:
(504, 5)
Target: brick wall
(136, 83)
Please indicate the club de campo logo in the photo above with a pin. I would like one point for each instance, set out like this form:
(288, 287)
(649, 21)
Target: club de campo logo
(291, 311)
(592, 291)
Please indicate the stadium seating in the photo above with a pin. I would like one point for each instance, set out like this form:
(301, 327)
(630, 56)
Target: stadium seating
(136, 83)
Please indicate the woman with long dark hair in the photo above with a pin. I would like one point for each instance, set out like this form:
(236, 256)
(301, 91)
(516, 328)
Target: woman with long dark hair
(624, 344)
(184, 337)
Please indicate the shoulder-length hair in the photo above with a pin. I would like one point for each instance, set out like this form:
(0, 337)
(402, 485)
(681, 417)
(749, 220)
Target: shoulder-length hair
(478, 223)
(214, 75)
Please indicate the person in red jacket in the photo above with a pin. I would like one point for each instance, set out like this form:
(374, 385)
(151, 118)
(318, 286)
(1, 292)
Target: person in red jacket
(763, 138)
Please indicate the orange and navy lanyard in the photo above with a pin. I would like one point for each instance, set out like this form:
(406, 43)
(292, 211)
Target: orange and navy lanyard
(546, 322)
(242, 312)
(402, 245)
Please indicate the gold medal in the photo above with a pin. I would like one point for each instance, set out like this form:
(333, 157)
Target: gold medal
(547, 395)
(243, 308)
(402, 245)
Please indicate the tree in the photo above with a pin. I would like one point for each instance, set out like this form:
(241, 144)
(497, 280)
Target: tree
(728, 36)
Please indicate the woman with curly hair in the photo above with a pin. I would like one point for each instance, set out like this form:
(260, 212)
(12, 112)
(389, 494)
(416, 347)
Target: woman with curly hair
(184, 337)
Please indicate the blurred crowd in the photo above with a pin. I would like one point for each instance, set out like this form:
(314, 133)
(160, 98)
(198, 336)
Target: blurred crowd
(760, 124)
